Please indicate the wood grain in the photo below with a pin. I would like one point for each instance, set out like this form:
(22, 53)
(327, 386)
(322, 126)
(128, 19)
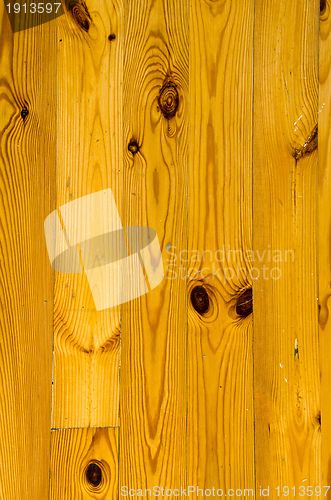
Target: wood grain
(27, 161)
(89, 156)
(286, 354)
(324, 234)
(220, 363)
(153, 367)
(73, 452)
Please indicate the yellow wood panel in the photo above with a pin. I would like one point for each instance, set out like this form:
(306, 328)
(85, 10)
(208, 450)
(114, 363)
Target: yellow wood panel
(220, 363)
(27, 160)
(153, 366)
(324, 235)
(286, 356)
(84, 464)
(89, 156)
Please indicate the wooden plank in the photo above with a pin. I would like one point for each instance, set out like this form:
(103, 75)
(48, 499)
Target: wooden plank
(286, 357)
(27, 161)
(84, 464)
(220, 409)
(324, 234)
(153, 366)
(89, 152)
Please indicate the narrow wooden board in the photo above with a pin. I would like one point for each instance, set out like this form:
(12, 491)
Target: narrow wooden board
(153, 367)
(89, 156)
(220, 363)
(324, 234)
(84, 464)
(27, 166)
(286, 355)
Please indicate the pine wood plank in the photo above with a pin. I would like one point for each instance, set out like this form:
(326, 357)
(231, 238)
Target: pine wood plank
(84, 464)
(220, 401)
(27, 161)
(324, 210)
(286, 357)
(89, 152)
(153, 365)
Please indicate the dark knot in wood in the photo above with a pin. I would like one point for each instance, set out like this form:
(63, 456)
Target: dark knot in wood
(80, 13)
(168, 99)
(24, 112)
(200, 299)
(133, 147)
(244, 305)
(94, 474)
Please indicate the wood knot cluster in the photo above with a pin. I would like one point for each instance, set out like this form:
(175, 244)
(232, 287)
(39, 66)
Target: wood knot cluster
(200, 299)
(80, 14)
(168, 99)
(244, 305)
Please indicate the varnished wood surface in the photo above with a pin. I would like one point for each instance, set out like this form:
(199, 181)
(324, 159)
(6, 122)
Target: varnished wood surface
(154, 329)
(220, 364)
(324, 234)
(201, 116)
(286, 341)
(27, 177)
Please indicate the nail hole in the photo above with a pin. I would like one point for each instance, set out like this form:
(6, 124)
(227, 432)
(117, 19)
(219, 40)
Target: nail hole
(24, 112)
(133, 147)
(200, 299)
(244, 305)
(111, 37)
(94, 474)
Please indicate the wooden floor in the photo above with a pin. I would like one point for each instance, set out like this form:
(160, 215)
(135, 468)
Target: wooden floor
(202, 117)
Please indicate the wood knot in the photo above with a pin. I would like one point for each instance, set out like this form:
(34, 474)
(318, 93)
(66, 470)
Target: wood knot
(133, 147)
(309, 145)
(244, 305)
(111, 37)
(24, 113)
(168, 99)
(200, 299)
(322, 6)
(318, 418)
(93, 474)
(80, 13)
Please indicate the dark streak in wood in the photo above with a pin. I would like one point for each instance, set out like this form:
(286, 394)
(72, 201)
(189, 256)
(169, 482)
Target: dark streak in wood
(319, 418)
